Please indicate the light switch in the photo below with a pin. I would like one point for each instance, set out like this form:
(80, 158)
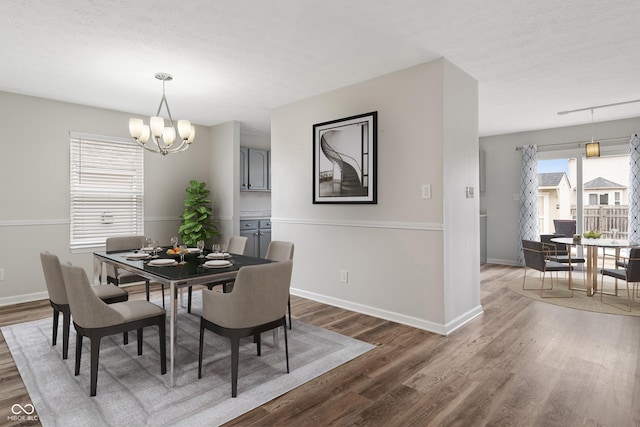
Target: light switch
(469, 192)
(426, 191)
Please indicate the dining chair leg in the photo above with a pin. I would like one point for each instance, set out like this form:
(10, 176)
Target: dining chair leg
(95, 355)
(163, 346)
(78, 353)
(200, 348)
(189, 292)
(54, 336)
(289, 305)
(235, 351)
(139, 335)
(286, 345)
(66, 325)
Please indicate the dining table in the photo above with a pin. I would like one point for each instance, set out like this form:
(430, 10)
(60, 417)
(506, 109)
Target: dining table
(593, 246)
(177, 275)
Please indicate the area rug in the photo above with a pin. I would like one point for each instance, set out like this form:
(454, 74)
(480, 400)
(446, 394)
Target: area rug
(580, 300)
(132, 392)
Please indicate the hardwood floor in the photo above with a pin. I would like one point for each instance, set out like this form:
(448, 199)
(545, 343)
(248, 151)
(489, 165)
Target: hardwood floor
(522, 363)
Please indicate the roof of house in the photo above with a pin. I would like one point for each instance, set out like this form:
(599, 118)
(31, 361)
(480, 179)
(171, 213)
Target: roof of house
(601, 182)
(551, 179)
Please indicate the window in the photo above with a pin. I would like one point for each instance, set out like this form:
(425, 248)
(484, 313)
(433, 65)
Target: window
(604, 199)
(593, 199)
(616, 196)
(106, 190)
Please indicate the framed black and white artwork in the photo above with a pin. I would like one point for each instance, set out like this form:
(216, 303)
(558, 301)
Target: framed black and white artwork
(344, 160)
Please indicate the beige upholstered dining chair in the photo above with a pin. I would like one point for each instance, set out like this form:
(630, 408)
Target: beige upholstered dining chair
(235, 245)
(536, 257)
(60, 303)
(122, 277)
(94, 319)
(279, 250)
(257, 303)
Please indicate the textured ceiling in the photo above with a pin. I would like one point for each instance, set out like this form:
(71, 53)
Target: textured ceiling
(236, 60)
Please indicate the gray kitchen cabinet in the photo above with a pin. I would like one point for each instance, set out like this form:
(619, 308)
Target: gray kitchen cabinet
(258, 232)
(254, 169)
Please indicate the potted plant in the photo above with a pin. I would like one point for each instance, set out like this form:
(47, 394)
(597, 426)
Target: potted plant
(197, 219)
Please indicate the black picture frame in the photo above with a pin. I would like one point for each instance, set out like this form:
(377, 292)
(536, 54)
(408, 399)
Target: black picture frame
(345, 161)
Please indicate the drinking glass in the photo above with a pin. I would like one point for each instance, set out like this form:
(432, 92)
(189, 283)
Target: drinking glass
(201, 248)
(613, 232)
(148, 243)
(183, 251)
(174, 242)
(216, 248)
(156, 247)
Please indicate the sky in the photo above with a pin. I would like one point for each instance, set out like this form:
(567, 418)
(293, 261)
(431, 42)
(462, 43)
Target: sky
(555, 165)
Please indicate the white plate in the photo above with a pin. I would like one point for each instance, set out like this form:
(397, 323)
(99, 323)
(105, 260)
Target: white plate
(219, 255)
(217, 264)
(193, 250)
(147, 249)
(162, 262)
(136, 256)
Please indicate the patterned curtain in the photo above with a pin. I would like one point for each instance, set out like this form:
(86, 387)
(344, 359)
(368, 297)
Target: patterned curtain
(634, 189)
(528, 197)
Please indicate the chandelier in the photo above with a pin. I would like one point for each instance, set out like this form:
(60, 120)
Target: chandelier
(163, 138)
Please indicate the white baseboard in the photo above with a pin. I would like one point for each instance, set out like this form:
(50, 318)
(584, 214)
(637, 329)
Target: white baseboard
(463, 319)
(392, 316)
(511, 262)
(36, 296)
(18, 299)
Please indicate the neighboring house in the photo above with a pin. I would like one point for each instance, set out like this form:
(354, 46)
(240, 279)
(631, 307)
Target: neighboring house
(601, 191)
(554, 199)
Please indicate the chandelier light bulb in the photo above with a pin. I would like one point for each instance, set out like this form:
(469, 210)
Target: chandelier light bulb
(184, 128)
(146, 133)
(135, 128)
(168, 136)
(157, 126)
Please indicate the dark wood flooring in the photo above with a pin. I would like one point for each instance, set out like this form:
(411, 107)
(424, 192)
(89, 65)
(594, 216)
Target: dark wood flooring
(522, 363)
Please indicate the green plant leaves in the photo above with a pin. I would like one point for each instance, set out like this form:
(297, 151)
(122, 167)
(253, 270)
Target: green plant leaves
(197, 218)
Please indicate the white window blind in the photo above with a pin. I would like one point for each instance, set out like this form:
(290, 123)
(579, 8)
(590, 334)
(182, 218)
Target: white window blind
(106, 189)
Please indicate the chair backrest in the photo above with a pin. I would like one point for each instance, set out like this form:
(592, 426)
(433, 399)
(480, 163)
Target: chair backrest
(87, 309)
(279, 251)
(633, 266)
(260, 294)
(121, 243)
(534, 254)
(559, 248)
(566, 227)
(237, 245)
(53, 278)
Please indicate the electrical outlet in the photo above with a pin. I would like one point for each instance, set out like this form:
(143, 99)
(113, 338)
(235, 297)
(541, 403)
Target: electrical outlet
(344, 276)
(426, 191)
(1, 273)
